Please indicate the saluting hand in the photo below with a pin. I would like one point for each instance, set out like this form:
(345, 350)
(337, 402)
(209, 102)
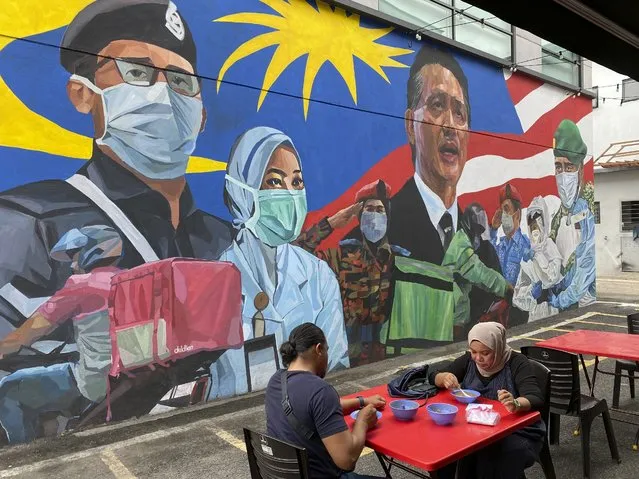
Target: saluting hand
(342, 217)
(496, 222)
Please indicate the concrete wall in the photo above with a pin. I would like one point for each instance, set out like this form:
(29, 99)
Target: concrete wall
(613, 121)
(270, 75)
(613, 187)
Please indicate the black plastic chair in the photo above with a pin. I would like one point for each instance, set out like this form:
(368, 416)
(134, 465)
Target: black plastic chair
(270, 458)
(543, 375)
(566, 399)
(624, 365)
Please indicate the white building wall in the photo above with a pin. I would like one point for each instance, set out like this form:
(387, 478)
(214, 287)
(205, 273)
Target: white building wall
(611, 188)
(612, 122)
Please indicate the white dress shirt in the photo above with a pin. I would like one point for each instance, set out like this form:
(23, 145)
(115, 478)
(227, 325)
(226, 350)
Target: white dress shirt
(435, 207)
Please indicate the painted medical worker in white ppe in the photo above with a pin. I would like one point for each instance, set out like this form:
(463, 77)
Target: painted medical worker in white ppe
(283, 286)
(541, 265)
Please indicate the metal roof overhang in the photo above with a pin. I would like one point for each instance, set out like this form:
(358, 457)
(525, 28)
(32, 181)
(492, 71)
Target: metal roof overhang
(604, 31)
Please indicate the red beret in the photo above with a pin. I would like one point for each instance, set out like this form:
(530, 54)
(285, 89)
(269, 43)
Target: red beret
(509, 192)
(376, 190)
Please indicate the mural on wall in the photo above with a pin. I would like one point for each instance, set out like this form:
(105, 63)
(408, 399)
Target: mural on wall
(393, 192)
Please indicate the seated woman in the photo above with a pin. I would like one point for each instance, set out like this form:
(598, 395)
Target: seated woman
(499, 373)
(315, 420)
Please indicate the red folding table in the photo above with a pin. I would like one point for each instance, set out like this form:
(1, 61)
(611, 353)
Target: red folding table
(424, 445)
(598, 343)
(595, 343)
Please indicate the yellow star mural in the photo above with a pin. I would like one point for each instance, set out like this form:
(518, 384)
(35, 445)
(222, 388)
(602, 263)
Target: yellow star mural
(22, 128)
(323, 34)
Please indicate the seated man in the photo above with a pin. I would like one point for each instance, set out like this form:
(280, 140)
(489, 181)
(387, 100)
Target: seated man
(316, 417)
(28, 393)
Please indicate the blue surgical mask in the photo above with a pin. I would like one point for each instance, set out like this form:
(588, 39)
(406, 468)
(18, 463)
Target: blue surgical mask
(373, 225)
(278, 215)
(152, 129)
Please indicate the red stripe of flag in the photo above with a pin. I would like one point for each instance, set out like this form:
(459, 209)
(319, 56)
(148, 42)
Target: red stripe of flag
(520, 85)
(524, 146)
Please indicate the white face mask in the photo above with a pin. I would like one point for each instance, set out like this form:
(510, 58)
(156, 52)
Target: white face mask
(152, 129)
(507, 223)
(373, 225)
(535, 236)
(568, 186)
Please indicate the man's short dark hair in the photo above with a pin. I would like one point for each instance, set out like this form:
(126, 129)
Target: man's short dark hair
(432, 55)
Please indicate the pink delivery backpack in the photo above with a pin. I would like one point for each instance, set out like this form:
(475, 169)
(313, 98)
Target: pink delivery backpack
(169, 309)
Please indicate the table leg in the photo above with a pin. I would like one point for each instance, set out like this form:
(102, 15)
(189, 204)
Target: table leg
(583, 366)
(387, 463)
(386, 467)
(594, 377)
(555, 423)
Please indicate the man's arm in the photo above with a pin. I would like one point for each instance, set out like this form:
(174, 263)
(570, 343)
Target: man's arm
(33, 329)
(343, 445)
(346, 447)
(63, 305)
(477, 273)
(311, 238)
(350, 405)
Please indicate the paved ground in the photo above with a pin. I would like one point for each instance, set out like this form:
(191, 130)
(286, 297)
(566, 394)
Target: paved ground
(620, 287)
(206, 441)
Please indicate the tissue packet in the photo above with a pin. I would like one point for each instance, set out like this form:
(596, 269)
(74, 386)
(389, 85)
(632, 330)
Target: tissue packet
(482, 414)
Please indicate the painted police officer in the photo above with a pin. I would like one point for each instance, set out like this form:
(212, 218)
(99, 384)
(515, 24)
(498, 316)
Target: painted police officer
(132, 66)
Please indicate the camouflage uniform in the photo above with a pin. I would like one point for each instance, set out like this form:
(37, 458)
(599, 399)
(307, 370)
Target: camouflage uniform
(365, 284)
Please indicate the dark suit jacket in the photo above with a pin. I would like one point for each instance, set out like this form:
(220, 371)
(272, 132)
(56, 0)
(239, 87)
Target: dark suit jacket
(411, 227)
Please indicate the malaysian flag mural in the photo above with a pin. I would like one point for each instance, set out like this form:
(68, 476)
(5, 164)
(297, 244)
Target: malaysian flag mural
(394, 192)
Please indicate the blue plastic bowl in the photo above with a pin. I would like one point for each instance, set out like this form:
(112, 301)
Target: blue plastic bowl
(441, 413)
(404, 409)
(464, 398)
(355, 413)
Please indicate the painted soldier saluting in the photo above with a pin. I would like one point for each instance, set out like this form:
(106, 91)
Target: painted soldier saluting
(363, 265)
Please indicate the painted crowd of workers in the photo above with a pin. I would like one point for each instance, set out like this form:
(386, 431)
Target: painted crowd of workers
(416, 272)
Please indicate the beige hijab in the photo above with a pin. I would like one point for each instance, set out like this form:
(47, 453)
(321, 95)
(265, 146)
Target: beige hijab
(493, 336)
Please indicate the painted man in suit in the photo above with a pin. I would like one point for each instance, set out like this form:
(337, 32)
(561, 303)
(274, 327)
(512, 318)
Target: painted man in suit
(426, 213)
(437, 121)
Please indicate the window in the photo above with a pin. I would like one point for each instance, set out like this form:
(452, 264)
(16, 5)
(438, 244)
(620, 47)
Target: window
(629, 215)
(455, 19)
(431, 16)
(629, 90)
(597, 213)
(559, 63)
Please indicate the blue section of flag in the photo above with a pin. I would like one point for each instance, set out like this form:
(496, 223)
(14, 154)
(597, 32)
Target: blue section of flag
(338, 142)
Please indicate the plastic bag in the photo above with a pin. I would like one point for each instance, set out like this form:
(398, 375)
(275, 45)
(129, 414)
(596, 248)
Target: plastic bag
(482, 414)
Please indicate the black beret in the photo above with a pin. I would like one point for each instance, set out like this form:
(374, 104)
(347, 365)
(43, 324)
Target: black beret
(151, 21)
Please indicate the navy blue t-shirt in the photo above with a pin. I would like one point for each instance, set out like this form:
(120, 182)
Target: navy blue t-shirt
(316, 405)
